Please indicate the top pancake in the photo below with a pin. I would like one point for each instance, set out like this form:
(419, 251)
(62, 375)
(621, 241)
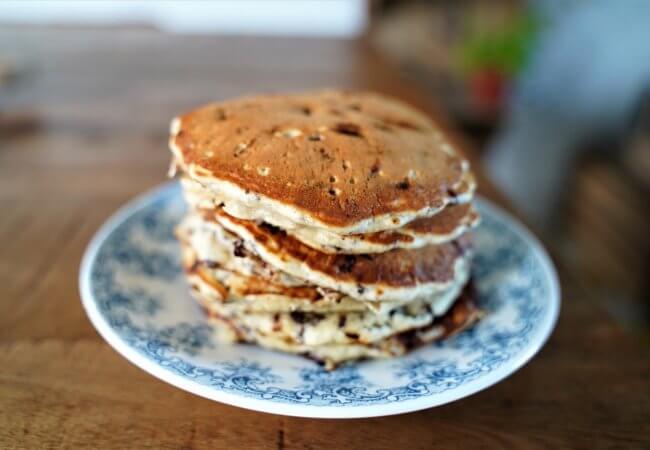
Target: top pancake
(348, 162)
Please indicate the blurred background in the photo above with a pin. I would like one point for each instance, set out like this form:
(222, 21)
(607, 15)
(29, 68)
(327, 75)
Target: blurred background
(553, 96)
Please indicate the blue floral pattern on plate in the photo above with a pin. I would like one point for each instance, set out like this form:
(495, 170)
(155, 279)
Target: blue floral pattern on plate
(135, 294)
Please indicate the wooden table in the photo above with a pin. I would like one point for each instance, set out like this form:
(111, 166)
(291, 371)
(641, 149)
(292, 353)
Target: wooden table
(83, 128)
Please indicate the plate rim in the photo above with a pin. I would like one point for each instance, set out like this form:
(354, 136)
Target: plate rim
(298, 410)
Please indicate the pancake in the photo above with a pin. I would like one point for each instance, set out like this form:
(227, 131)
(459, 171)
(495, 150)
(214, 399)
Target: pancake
(249, 294)
(313, 328)
(463, 314)
(316, 328)
(213, 245)
(348, 163)
(447, 225)
(397, 275)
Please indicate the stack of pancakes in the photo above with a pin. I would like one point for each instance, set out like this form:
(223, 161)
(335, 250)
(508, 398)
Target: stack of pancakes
(328, 224)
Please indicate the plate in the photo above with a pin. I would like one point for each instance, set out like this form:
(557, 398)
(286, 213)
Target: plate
(134, 293)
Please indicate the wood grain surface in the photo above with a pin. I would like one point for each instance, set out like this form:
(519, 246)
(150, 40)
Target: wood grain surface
(83, 128)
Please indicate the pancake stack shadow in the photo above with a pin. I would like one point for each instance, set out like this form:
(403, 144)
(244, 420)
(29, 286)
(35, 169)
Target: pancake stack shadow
(333, 225)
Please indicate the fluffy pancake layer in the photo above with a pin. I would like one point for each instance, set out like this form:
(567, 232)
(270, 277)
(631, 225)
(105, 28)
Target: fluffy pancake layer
(447, 225)
(398, 275)
(279, 333)
(252, 294)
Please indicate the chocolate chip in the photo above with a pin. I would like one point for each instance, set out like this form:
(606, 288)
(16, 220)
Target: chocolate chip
(239, 250)
(303, 317)
(348, 129)
(352, 335)
(360, 289)
(271, 228)
(403, 184)
(277, 326)
(325, 154)
(347, 264)
(342, 319)
(315, 137)
(375, 168)
(409, 339)
(211, 264)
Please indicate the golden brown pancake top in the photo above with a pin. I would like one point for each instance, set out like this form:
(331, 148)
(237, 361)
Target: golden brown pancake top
(395, 268)
(339, 157)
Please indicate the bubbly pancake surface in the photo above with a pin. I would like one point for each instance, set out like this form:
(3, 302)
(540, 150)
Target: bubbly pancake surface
(351, 162)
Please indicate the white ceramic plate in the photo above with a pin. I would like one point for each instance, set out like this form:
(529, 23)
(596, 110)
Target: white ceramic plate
(133, 289)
